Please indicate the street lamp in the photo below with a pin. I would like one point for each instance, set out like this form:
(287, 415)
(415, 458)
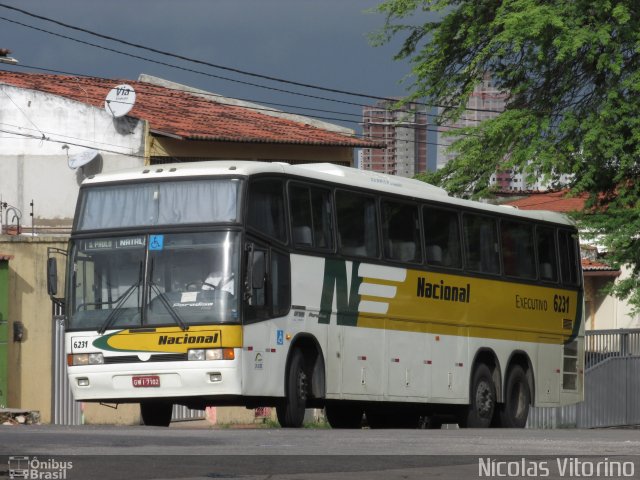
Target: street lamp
(5, 58)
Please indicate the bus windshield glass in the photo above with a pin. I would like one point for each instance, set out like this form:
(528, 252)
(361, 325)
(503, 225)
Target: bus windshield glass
(154, 280)
(158, 203)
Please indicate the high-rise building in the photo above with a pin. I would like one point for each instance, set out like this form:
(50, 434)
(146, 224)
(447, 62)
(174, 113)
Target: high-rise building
(404, 132)
(485, 102)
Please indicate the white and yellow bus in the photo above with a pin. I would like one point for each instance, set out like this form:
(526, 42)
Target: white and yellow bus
(379, 298)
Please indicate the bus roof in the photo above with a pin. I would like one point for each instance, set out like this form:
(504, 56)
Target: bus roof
(328, 172)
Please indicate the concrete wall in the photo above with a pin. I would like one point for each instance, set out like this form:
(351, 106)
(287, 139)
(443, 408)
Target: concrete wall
(30, 360)
(33, 168)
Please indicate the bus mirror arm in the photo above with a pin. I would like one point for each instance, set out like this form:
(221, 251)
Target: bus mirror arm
(52, 275)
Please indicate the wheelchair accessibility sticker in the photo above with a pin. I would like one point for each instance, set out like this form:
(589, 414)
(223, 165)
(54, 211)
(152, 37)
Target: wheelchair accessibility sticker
(156, 242)
(280, 337)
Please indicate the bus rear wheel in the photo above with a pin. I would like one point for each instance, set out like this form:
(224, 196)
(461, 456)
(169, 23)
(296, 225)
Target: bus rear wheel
(291, 410)
(155, 413)
(514, 411)
(341, 415)
(482, 401)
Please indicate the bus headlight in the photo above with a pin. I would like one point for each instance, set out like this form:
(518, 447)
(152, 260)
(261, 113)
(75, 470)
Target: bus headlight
(85, 359)
(211, 354)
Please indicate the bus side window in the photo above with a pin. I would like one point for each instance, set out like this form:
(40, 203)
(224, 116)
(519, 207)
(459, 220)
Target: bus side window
(401, 231)
(569, 269)
(481, 244)
(442, 237)
(310, 209)
(266, 208)
(517, 249)
(547, 262)
(357, 224)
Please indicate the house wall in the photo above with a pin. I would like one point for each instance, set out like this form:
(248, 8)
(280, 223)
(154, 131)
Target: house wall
(30, 360)
(607, 312)
(37, 169)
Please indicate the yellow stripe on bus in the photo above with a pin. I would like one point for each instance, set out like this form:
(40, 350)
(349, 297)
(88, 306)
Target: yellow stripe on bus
(454, 305)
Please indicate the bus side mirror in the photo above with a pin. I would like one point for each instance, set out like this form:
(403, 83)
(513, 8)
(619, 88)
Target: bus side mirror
(52, 276)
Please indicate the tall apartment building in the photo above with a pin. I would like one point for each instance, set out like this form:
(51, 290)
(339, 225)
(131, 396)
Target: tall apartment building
(486, 102)
(405, 134)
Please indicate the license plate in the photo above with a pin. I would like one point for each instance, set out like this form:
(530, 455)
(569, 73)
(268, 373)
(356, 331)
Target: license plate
(146, 381)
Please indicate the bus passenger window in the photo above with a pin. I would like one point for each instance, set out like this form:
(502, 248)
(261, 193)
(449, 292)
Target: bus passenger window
(442, 237)
(357, 225)
(481, 244)
(310, 209)
(401, 231)
(517, 249)
(546, 245)
(266, 208)
(568, 258)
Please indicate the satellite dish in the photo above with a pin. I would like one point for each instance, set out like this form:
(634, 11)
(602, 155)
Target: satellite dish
(79, 159)
(120, 100)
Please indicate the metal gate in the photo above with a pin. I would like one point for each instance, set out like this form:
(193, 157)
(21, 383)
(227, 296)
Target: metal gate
(65, 411)
(611, 385)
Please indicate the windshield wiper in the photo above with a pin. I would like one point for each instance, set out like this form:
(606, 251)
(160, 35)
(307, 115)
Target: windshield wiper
(114, 313)
(163, 299)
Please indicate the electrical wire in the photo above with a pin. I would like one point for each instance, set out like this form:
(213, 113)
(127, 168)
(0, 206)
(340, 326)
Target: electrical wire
(205, 63)
(254, 108)
(202, 62)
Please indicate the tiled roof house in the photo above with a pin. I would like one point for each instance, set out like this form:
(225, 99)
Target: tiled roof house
(47, 120)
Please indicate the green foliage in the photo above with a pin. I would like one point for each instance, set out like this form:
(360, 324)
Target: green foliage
(571, 69)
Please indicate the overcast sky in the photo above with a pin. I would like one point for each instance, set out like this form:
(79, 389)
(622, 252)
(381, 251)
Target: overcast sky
(322, 42)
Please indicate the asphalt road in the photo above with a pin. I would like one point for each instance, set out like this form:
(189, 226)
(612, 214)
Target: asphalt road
(186, 452)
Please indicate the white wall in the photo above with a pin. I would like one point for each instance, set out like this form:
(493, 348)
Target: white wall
(612, 313)
(36, 168)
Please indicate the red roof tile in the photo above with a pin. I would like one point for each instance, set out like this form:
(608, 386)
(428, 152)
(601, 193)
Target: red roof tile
(589, 266)
(182, 114)
(552, 201)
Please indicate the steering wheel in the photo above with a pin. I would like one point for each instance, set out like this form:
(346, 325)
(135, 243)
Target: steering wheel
(194, 286)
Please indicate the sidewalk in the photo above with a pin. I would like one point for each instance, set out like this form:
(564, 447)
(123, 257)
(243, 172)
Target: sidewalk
(18, 416)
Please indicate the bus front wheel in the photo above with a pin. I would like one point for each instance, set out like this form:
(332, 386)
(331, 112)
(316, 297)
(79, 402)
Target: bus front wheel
(482, 401)
(291, 410)
(514, 411)
(156, 414)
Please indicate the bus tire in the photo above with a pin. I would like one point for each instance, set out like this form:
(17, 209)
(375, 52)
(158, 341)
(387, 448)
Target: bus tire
(482, 401)
(340, 415)
(156, 413)
(291, 410)
(514, 411)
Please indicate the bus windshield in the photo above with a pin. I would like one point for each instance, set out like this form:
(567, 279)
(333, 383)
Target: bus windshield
(154, 280)
(159, 203)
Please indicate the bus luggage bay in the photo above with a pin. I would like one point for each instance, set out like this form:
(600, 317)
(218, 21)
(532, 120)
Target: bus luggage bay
(299, 286)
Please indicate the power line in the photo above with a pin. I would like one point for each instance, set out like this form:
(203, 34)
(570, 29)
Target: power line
(248, 107)
(44, 138)
(209, 64)
(233, 81)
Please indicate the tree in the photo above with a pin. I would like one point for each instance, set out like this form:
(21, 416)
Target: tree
(571, 72)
